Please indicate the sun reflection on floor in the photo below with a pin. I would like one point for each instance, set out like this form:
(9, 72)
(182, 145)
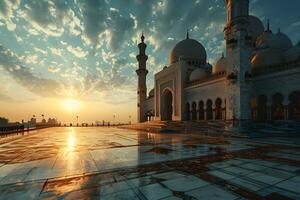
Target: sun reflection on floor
(71, 143)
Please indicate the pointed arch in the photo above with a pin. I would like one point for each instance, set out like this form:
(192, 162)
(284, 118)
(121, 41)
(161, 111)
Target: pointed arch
(201, 110)
(209, 110)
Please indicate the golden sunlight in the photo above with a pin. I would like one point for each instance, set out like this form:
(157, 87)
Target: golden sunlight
(71, 104)
(71, 141)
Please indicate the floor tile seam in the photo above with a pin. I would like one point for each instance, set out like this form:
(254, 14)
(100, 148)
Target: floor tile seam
(57, 156)
(282, 160)
(93, 160)
(245, 177)
(98, 186)
(280, 169)
(272, 186)
(135, 189)
(17, 139)
(285, 180)
(12, 183)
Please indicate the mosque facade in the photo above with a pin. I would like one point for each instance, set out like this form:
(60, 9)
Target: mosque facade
(257, 79)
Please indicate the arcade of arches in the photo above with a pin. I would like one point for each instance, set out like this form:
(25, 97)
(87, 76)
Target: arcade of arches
(209, 110)
(277, 107)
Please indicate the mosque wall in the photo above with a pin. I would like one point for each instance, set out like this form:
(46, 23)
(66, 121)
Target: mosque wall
(207, 90)
(284, 83)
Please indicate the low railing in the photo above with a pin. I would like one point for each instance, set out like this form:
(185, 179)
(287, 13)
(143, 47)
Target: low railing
(10, 129)
(210, 78)
(262, 70)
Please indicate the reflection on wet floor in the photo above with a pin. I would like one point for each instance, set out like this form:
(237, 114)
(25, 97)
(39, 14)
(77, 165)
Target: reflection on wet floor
(110, 163)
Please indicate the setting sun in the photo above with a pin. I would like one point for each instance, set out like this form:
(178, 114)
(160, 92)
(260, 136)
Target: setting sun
(71, 104)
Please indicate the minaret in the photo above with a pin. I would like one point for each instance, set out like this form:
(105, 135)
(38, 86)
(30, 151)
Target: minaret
(238, 51)
(142, 87)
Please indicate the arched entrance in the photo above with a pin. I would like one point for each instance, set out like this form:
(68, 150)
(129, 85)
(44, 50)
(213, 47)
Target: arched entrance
(194, 111)
(166, 105)
(262, 114)
(294, 106)
(209, 110)
(277, 107)
(201, 110)
(218, 109)
(253, 104)
(149, 115)
(187, 111)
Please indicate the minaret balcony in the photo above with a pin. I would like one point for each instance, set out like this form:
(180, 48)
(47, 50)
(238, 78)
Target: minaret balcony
(231, 42)
(141, 72)
(142, 57)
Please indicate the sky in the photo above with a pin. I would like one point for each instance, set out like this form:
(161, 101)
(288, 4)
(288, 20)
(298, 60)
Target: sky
(77, 57)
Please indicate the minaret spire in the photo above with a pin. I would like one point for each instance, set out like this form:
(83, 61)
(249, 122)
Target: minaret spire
(268, 26)
(142, 74)
(142, 37)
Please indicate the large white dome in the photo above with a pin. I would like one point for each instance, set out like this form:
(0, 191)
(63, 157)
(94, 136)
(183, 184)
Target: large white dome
(220, 66)
(188, 49)
(198, 74)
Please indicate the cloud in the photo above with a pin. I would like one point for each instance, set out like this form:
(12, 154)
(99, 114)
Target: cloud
(22, 75)
(56, 51)
(40, 51)
(121, 28)
(4, 97)
(53, 69)
(7, 8)
(77, 51)
(94, 13)
(42, 16)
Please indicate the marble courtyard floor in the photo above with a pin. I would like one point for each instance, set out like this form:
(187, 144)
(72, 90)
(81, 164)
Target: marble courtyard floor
(111, 163)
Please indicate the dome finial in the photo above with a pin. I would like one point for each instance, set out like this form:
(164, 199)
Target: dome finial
(187, 34)
(268, 25)
(142, 37)
(279, 31)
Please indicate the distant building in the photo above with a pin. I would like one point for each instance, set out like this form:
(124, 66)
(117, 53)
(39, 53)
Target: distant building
(257, 79)
(3, 121)
(52, 121)
(32, 122)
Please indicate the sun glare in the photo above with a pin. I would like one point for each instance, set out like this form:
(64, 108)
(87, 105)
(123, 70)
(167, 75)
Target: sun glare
(71, 104)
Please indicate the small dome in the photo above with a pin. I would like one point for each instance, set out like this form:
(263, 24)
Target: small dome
(151, 93)
(198, 74)
(256, 26)
(264, 40)
(293, 53)
(220, 66)
(188, 49)
(267, 57)
(282, 41)
(276, 41)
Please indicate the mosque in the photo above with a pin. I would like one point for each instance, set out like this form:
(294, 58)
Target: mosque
(257, 79)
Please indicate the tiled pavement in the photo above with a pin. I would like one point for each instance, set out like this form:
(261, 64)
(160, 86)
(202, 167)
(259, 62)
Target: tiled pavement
(108, 163)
